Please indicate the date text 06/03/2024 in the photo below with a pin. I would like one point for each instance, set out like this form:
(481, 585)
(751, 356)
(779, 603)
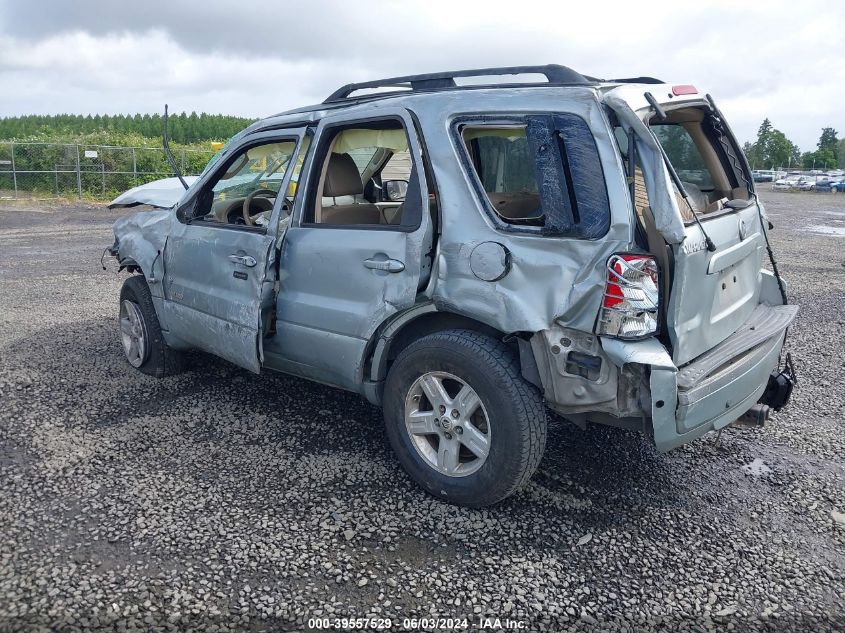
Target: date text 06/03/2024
(483, 623)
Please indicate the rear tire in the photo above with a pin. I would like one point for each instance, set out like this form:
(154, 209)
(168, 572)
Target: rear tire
(481, 433)
(143, 342)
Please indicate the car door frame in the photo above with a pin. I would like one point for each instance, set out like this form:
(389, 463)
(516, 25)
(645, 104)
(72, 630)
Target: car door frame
(235, 332)
(328, 370)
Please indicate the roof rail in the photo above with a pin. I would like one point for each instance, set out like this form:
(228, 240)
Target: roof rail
(636, 80)
(554, 73)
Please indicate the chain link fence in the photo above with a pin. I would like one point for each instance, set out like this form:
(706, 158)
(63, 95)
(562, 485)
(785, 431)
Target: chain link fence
(39, 170)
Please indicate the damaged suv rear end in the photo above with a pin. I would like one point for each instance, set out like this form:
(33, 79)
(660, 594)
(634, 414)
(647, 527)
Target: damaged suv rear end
(692, 325)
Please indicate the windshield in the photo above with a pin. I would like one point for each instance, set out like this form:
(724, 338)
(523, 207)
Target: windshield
(264, 164)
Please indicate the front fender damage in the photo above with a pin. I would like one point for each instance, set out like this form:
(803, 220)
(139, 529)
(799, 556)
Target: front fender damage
(139, 241)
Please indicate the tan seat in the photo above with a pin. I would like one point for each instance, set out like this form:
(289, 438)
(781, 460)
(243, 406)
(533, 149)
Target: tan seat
(642, 202)
(515, 206)
(342, 179)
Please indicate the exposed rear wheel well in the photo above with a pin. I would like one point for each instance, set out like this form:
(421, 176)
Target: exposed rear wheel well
(426, 324)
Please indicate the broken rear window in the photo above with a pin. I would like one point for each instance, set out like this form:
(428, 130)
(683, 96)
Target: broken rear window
(507, 171)
(538, 173)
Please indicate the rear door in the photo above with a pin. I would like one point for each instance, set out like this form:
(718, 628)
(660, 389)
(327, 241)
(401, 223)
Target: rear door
(346, 265)
(713, 293)
(219, 266)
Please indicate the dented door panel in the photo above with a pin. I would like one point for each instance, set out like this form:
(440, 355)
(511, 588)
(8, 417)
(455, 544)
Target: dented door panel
(338, 284)
(212, 302)
(713, 294)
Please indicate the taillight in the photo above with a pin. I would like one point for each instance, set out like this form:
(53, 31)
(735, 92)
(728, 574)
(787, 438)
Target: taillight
(629, 309)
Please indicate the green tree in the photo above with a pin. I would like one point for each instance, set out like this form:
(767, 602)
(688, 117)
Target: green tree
(779, 150)
(772, 149)
(827, 155)
(820, 159)
(72, 127)
(828, 139)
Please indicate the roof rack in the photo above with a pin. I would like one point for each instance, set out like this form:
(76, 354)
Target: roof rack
(555, 74)
(636, 80)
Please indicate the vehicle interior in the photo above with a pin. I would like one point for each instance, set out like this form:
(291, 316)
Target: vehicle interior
(692, 145)
(698, 158)
(364, 176)
(505, 167)
(246, 191)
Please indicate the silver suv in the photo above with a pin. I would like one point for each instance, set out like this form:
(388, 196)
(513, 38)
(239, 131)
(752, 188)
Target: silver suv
(467, 255)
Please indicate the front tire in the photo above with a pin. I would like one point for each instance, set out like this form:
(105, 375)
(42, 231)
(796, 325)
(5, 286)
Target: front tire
(140, 331)
(463, 422)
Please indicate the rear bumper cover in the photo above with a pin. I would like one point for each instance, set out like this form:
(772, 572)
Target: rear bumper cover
(716, 388)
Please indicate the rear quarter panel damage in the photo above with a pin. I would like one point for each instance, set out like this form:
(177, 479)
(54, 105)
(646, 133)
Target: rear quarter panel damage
(551, 279)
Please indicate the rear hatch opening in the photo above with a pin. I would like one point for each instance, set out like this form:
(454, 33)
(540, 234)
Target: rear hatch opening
(707, 294)
(697, 146)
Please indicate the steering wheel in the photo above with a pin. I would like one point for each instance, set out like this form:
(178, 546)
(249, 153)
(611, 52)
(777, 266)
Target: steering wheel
(266, 193)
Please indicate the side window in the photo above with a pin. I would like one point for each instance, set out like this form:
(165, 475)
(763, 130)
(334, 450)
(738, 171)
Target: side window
(507, 171)
(365, 176)
(245, 191)
(539, 173)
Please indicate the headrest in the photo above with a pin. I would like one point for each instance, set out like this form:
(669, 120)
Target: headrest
(342, 177)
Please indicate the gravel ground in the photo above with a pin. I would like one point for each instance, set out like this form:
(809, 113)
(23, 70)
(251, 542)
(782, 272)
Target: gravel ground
(216, 500)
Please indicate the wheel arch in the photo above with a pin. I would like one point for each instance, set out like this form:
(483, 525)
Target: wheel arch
(131, 266)
(412, 325)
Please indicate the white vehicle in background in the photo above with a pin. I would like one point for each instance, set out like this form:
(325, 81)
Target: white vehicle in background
(806, 183)
(785, 184)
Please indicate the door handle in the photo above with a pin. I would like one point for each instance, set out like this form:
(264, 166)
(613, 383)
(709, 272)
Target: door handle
(389, 265)
(245, 260)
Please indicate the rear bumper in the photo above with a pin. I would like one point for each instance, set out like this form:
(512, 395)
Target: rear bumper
(715, 389)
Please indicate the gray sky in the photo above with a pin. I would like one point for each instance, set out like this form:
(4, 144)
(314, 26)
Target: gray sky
(780, 59)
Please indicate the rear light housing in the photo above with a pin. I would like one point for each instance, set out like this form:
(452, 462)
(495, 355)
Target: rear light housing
(684, 89)
(631, 297)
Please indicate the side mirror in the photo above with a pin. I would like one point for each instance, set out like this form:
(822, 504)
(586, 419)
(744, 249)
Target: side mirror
(185, 213)
(395, 190)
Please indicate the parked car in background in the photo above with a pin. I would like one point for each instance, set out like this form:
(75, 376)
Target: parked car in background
(786, 184)
(838, 187)
(806, 183)
(767, 175)
(826, 184)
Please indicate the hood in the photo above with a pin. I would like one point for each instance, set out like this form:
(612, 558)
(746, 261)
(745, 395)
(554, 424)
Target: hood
(162, 193)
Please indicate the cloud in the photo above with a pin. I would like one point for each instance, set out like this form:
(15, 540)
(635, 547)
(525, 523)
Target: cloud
(758, 58)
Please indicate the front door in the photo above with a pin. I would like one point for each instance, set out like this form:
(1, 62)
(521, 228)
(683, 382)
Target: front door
(219, 260)
(347, 262)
